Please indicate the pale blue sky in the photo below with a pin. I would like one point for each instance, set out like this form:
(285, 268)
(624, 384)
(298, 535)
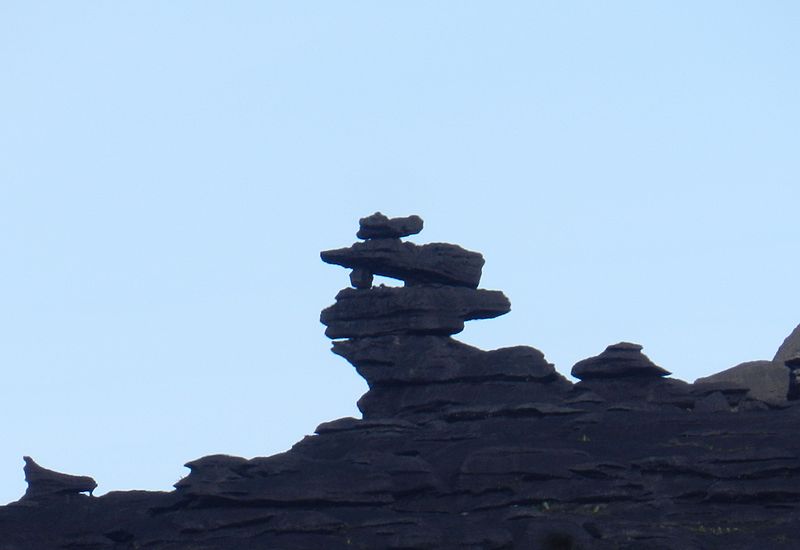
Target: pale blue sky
(169, 172)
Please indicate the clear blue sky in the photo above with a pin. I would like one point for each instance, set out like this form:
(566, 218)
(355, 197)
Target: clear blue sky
(169, 172)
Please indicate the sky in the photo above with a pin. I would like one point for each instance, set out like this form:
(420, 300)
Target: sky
(170, 171)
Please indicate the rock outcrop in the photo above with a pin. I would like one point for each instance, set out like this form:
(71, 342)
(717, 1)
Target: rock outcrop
(461, 448)
(45, 484)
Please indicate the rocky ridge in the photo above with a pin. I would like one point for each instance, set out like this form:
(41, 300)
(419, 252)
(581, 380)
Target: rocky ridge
(464, 448)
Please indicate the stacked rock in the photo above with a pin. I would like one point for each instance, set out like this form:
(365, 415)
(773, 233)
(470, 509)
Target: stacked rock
(398, 338)
(623, 373)
(623, 360)
(793, 364)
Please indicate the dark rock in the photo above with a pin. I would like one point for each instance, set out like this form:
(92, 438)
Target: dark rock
(413, 310)
(410, 359)
(378, 226)
(44, 483)
(733, 393)
(789, 348)
(621, 360)
(361, 278)
(461, 448)
(793, 364)
(714, 402)
(436, 263)
(766, 380)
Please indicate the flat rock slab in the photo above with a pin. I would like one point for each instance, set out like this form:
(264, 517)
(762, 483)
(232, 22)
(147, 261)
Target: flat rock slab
(380, 311)
(409, 359)
(434, 263)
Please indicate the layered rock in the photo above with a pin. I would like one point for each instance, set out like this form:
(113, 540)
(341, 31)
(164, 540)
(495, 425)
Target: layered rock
(399, 336)
(767, 381)
(461, 448)
(435, 263)
(623, 360)
(381, 311)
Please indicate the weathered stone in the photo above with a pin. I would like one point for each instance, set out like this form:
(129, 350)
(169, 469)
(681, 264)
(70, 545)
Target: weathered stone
(44, 483)
(435, 263)
(466, 449)
(414, 310)
(618, 361)
(361, 278)
(766, 380)
(409, 359)
(378, 226)
(714, 402)
(789, 348)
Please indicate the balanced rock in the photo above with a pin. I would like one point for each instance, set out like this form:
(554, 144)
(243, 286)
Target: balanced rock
(44, 483)
(623, 360)
(435, 263)
(465, 449)
(378, 226)
(409, 310)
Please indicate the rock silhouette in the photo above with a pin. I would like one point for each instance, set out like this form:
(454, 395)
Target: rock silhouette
(44, 483)
(464, 448)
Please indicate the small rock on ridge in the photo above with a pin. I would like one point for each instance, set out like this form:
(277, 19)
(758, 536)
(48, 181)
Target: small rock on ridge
(434, 263)
(620, 360)
(48, 483)
(378, 226)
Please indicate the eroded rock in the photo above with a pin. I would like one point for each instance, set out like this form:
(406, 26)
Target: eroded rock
(623, 360)
(44, 483)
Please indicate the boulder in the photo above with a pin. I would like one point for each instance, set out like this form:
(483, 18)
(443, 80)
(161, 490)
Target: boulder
(378, 226)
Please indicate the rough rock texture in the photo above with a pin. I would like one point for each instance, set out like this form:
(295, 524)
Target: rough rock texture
(44, 483)
(767, 381)
(623, 360)
(378, 226)
(436, 263)
(384, 310)
(789, 348)
(461, 448)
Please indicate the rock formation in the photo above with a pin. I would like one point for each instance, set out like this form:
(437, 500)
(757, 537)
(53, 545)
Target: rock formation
(44, 483)
(461, 448)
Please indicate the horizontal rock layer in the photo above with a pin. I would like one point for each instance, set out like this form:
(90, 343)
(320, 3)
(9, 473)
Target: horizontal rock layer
(435, 263)
(381, 311)
(408, 359)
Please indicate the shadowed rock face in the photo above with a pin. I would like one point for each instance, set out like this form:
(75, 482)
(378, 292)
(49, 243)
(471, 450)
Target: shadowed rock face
(464, 448)
(767, 381)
